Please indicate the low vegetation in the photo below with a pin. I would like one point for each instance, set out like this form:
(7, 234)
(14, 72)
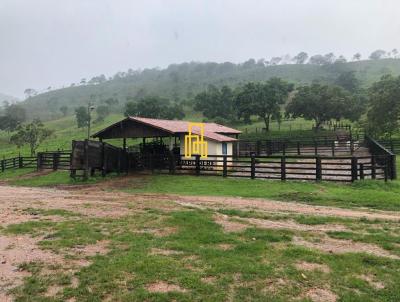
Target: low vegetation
(162, 251)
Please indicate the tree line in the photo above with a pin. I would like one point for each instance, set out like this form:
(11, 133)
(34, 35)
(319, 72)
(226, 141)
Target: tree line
(276, 99)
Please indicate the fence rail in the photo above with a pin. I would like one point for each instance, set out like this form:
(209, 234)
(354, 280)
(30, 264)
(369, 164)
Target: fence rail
(316, 168)
(321, 146)
(384, 156)
(391, 144)
(55, 160)
(17, 163)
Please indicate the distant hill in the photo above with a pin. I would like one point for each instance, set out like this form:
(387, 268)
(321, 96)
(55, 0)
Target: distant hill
(183, 81)
(8, 98)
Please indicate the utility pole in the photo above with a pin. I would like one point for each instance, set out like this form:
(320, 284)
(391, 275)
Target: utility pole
(89, 112)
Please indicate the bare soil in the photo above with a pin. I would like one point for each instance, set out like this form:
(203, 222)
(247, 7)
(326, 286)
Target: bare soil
(93, 201)
(163, 287)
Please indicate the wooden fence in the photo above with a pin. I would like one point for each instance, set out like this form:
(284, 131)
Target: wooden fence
(384, 156)
(17, 163)
(316, 168)
(321, 146)
(55, 160)
(391, 144)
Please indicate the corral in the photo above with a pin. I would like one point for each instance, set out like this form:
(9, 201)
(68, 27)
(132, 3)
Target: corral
(336, 158)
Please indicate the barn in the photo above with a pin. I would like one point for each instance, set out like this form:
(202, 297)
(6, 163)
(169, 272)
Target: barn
(160, 135)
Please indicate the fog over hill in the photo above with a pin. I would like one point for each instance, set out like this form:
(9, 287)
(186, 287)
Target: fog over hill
(7, 98)
(180, 82)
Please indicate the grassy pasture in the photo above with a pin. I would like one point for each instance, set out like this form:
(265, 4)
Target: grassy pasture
(200, 261)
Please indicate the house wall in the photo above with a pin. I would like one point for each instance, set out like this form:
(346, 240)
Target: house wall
(213, 147)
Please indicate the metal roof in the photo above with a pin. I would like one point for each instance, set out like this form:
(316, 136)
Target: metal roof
(212, 131)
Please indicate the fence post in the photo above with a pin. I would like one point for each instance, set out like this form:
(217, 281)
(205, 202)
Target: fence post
(354, 168)
(298, 148)
(253, 167)
(14, 165)
(55, 161)
(283, 168)
(284, 149)
(225, 167)
(373, 167)
(393, 167)
(3, 165)
(333, 148)
(39, 161)
(351, 147)
(171, 158)
(20, 161)
(197, 164)
(86, 156)
(386, 170)
(318, 168)
(362, 171)
(315, 147)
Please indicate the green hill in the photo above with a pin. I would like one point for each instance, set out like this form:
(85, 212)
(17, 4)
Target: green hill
(183, 81)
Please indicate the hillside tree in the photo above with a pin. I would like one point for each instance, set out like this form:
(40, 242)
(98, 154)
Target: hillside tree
(32, 134)
(64, 110)
(300, 58)
(29, 92)
(102, 112)
(321, 103)
(348, 81)
(82, 116)
(154, 107)
(384, 110)
(357, 57)
(13, 116)
(215, 102)
(377, 54)
(263, 99)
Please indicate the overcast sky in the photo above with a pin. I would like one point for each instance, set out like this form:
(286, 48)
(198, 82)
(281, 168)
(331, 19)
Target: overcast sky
(53, 42)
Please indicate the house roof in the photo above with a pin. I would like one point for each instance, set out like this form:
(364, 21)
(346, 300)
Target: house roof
(212, 131)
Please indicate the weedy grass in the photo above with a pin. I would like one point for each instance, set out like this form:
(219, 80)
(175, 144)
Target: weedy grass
(370, 194)
(56, 178)
(260, 264)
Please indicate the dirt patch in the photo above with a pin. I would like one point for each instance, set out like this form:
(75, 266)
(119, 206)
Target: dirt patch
(155, 251)
(92, 202)
(160, 232)
(225, 246)
(35, 174)
(15, 251)
(321, 295)
(99, 248)
(74, 282)
(163, 287)
(291, 225)
(53, 291)
(272, 206)
(371, 280)
(274, 285)
(337, 246)
(228, 225)
(209, 279)
(309, 266)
